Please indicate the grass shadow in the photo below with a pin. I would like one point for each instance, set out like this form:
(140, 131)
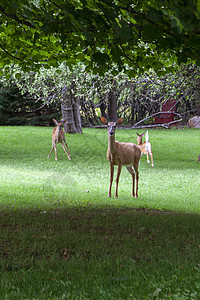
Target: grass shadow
(100, 249)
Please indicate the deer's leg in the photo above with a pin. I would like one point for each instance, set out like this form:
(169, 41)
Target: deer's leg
(148, 161)
(55, 151)
(137, 178)
(132, 172)
(136, 165)
(65, 150)
(151, 154)
(117, 179)
(111, 178)
(51, 150)
(67, 147)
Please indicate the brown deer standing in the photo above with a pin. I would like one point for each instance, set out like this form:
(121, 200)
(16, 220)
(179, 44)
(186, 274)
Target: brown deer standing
(58, 136)
(120, 154)
(145, 147)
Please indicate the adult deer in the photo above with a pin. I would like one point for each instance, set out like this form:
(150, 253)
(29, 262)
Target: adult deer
(58, 136)
(145, 147)
(120, 154)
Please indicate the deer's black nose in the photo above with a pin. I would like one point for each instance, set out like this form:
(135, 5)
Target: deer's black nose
(111, 130)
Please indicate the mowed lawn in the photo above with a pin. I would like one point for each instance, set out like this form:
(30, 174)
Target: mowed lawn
(29, 180)
(63, 238)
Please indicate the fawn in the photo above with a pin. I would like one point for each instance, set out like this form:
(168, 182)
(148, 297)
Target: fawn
(58, 136)
(120, 154)
(145, 147)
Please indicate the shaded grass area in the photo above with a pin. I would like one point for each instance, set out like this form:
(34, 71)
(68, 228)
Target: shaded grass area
(105, 253)
(62, 238)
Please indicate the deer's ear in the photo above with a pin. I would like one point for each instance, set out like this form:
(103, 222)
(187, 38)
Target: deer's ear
(119, 121)
(55, 121)
(143, 134)
(104, 121)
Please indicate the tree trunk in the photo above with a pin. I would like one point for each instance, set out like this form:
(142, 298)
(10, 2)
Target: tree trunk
(70, 111)
(102, 106)
(112, 103)
(77, 115)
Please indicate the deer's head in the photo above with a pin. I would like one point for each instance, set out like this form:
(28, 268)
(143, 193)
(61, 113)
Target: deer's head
(59, 123)
(111, 126)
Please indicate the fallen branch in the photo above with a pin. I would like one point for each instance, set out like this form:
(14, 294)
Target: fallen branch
(174, 122)
(158, 113)
(150, 126)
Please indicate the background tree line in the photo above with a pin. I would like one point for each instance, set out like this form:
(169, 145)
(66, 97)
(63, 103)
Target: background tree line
(34, 98)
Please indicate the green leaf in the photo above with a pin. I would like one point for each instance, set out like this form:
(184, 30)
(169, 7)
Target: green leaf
(100, 58)
(18, 75)
(36, 37)
(151, 32)
(126, 34)
(198, 6)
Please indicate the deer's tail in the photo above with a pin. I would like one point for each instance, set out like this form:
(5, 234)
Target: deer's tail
(147, 137)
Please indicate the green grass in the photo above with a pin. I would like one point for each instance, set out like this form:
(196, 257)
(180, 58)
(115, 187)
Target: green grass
(63, 238)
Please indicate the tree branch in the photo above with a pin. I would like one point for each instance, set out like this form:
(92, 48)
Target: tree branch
(9, 53)
(15, 17)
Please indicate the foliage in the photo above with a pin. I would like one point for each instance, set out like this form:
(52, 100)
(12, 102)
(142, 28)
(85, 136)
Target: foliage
(136, 99)
(56, 219)
(102, 34)
(150, 91)
(9, 99)
(18, 109)
(44, 85)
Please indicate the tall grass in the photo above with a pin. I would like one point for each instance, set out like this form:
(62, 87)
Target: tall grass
(63, 238)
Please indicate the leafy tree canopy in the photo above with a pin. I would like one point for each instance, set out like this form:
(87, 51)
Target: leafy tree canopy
(101, 33)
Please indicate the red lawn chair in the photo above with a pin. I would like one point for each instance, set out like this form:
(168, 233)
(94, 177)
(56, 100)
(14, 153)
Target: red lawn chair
(165, 118)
